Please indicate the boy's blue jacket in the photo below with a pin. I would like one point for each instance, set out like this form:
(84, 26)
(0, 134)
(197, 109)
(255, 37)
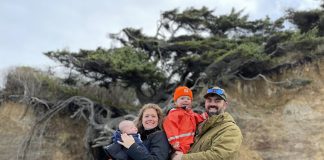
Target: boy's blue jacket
(117, 137)
(117, 151)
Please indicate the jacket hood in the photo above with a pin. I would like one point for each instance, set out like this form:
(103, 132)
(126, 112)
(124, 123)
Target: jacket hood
(216, 120)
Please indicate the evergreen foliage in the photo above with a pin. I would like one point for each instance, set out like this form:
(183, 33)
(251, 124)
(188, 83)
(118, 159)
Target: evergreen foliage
(194, 41)
(24, 83)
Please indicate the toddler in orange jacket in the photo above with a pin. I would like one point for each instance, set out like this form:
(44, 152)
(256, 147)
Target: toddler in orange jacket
(181, 122)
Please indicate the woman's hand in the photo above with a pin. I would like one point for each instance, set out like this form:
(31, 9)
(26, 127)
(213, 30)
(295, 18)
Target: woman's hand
(127, 140)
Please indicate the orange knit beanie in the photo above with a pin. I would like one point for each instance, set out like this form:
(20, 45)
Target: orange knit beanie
(182, 91)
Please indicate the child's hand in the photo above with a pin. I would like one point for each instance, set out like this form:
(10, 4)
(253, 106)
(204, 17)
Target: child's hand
(176, 146)
(205, 115)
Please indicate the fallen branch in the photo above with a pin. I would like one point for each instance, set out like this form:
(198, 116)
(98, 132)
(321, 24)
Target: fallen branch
(85, 110)
(264, 77)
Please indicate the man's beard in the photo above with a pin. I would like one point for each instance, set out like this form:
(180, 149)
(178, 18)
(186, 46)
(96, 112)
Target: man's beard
(215, 112)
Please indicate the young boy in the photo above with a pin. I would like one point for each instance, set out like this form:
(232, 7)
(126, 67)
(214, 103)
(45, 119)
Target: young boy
(180, 123)
(117, 151)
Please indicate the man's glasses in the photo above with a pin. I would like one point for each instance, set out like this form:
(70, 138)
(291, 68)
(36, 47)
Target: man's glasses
(217, 91)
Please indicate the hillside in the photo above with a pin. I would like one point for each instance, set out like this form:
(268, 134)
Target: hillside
(61, 139)
(280, 115)
(282, 121)
(273, 76)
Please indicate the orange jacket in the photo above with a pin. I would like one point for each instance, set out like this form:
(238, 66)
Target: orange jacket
(180, 126)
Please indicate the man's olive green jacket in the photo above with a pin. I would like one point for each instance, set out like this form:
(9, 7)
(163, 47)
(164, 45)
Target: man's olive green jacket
(218, 138)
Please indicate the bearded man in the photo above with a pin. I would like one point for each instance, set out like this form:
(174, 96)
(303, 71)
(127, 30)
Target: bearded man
(218, 137)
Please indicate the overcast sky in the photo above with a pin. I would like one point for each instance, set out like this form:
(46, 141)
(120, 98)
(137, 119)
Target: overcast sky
(29, 28)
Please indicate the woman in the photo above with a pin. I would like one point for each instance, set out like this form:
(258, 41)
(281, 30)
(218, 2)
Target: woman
(149, 124)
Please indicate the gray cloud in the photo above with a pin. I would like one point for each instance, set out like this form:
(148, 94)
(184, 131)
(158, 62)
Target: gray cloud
(29, 28)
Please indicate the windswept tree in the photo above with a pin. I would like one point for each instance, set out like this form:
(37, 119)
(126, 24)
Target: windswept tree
(188, 46)
(308, 20)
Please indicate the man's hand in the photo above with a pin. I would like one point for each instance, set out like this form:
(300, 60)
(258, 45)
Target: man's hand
(176, 156)
(127, 140)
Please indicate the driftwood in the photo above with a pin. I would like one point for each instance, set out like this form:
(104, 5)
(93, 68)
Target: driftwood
(86, 110)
